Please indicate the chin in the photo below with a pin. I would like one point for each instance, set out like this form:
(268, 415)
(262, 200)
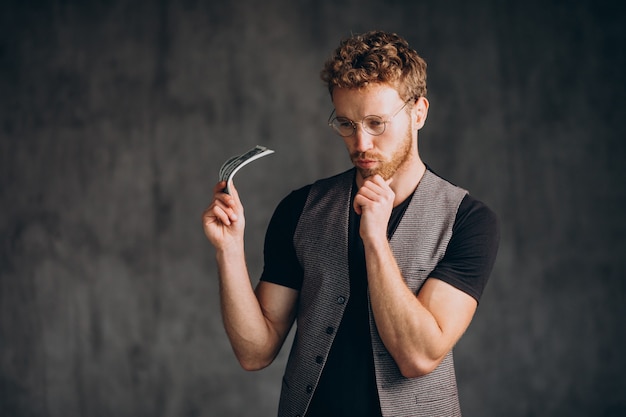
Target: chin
(366, 173)
(384, 173)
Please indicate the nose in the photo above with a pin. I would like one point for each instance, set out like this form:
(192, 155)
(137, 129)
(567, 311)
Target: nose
(363, 141)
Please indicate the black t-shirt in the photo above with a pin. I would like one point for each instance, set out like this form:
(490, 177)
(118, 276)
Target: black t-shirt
(347, 385)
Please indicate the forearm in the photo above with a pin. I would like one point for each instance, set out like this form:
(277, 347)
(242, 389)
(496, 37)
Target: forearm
(408, 329)
(251, 337)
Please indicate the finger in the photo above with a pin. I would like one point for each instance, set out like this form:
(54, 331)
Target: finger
(219, 187)
(219, 194)
(233, 192)
(365, 199)
(369, 192)
(229, 207)
(380, 181)
(379, 186)
(375, 183)
(215, 213)
(376, 179)
(225, 204)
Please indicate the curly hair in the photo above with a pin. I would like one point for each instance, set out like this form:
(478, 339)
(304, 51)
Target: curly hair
(376, 57)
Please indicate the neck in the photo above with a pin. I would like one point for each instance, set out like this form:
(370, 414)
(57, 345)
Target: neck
(405, 181)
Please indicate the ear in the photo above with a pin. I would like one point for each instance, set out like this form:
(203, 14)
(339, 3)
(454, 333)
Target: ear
(420, 112)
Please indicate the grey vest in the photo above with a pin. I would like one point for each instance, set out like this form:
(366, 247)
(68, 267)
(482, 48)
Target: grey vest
(321, 242)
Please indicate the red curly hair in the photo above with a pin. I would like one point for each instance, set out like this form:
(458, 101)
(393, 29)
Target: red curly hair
(376, 57)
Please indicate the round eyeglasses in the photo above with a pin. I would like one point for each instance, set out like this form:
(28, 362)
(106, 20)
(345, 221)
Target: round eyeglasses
(374, 125)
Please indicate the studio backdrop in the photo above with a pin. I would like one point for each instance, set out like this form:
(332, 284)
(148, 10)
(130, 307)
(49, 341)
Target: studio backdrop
(115, 117)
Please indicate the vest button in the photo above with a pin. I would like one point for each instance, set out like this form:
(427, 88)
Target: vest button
(329, 330)
(309, 389)
(341, 299)
(319, 359)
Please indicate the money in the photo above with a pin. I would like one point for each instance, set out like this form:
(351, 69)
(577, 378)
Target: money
(235, 163)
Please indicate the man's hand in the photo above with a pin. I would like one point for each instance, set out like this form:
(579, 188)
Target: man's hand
(223, 220)
(374, 203)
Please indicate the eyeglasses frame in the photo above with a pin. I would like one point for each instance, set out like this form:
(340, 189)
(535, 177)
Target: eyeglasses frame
(331, 119)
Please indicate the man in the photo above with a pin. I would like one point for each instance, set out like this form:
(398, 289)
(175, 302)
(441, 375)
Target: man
(381, 266)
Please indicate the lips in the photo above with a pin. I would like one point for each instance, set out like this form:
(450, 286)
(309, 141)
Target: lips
(365, 163)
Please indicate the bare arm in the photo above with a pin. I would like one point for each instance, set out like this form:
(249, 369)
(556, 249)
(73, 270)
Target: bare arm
(418, 331)
(256, 322)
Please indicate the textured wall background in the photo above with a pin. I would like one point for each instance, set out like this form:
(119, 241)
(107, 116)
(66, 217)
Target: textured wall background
(116, 115)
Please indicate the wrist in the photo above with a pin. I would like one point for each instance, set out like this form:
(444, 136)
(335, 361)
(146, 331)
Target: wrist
(375, 242)
(229, 251)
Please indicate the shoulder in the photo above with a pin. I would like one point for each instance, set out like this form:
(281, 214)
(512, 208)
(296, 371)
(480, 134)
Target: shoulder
(471, 211)
(295, 199)
(442, 193)
(289, 209)
(475, 214)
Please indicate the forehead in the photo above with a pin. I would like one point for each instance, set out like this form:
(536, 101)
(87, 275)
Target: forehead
(372, 99)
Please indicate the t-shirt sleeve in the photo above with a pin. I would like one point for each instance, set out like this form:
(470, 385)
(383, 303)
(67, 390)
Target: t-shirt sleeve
(472, 249)
(281, 265)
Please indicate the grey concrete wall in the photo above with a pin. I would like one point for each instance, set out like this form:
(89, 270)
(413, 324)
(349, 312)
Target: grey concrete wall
(115, 117)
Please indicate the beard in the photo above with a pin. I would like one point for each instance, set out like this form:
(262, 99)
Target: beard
(387, 168)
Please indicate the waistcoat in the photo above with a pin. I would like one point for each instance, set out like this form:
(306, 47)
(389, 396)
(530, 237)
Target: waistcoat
(321, 243)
